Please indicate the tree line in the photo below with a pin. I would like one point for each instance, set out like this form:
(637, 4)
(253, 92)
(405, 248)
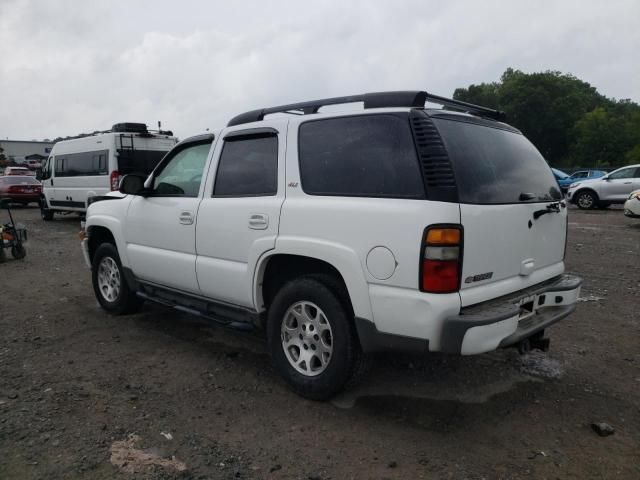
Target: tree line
(566, 118)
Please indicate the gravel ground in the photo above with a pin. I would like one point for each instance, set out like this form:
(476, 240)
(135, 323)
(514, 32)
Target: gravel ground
(159, 395)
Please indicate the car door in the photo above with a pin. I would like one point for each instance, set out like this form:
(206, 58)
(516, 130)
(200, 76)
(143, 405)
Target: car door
(160, 228)
(47, 180)
(239, 216)
(618, 185)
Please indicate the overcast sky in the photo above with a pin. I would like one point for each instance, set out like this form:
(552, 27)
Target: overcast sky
(67, 66)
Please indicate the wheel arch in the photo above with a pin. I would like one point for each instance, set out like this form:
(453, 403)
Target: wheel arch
(106, 229)
(278, 267)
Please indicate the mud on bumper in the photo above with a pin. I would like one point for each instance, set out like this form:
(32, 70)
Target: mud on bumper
(509, 320)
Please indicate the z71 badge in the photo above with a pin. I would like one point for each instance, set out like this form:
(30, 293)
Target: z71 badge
(478, 278)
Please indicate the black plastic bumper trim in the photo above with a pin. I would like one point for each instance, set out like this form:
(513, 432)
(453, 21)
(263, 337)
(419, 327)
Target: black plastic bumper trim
(372, 340)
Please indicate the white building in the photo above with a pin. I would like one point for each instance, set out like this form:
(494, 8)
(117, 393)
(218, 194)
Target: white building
(18, 150)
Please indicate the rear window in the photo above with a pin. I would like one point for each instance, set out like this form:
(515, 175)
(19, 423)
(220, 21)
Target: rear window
(365, 156)
(495, 166)
(139, 161)
(18, 180)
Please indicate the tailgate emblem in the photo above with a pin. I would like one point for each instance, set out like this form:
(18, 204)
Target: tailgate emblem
(478, 278)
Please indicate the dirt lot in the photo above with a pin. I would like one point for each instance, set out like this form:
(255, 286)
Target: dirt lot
(160, 395)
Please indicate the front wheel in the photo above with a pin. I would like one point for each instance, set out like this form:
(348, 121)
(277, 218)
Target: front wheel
(311, 338)
(109, 283)
(586, 200)
(45, 213)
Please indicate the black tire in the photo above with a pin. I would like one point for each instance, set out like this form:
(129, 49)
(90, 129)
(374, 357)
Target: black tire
(45, 213)
(125, 300)
(3, 254)
(346, 353)
(586, 200)
(18, 252)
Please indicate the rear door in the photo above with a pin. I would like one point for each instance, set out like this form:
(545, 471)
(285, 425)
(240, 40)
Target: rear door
(514, 223)
(619, 184)
(239, 215)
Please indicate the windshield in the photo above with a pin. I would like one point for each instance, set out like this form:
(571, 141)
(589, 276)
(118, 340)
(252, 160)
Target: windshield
(559, 173)
(496, 166)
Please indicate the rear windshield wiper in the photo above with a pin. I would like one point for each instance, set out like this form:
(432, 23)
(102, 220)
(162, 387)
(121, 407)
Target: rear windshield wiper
(551, 208)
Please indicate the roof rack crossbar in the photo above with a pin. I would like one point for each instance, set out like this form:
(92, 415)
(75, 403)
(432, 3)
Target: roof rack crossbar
(415, 99)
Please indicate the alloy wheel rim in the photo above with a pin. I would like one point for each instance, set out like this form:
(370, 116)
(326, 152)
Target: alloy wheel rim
(585, 200)
(109, 279)
(307, 339)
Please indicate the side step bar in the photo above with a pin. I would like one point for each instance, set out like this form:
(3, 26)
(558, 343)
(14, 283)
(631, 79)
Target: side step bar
(170, 299)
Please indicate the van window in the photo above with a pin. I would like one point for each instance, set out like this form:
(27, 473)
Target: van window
(496, 166)
(362, 155)
(82, 164)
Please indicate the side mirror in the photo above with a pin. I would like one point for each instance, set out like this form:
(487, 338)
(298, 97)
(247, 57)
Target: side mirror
(39, 175)
(606, 178)
(132, 184)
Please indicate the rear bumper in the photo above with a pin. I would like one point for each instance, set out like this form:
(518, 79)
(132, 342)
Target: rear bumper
(506, 321)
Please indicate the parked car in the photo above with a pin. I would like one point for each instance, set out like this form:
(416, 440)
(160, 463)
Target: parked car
(20, 189)
(613, 187)
(632, 205)
(18, 171)
(562, 178)
(341, 234)
(81, 168)
(565, 182)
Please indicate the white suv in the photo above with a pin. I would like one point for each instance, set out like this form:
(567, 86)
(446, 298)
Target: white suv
(614, 187)
(341, 234)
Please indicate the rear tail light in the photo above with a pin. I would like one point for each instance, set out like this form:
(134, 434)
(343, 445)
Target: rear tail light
(15, 189)
(114, 179)
(441, 259)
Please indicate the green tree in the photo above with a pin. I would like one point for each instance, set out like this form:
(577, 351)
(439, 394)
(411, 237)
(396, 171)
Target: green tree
(565, 117)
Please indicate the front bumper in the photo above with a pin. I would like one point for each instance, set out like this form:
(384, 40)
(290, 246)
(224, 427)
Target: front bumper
(511, 319)
(632, 208)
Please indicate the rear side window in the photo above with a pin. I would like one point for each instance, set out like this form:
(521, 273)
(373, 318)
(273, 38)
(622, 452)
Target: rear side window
(248, 166)
(496, 166)
(82, 164)
(365, 156)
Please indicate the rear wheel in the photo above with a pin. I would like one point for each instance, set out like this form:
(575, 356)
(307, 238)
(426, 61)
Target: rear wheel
(586, 200)
(312, 339)
(109, 283)
(18, 252)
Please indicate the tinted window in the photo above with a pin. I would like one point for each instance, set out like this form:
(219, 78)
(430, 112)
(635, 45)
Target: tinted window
(182, 174)
(248, 166)
(366, 155)
(494, 166)
(139, 161)
(82, 164)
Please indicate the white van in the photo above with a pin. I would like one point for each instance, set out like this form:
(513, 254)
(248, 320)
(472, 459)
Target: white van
(90, 166)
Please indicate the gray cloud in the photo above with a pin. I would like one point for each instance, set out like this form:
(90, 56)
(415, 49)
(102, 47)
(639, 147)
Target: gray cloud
(70, 66)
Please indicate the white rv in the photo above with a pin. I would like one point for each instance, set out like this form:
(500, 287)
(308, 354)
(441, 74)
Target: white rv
(90, 166)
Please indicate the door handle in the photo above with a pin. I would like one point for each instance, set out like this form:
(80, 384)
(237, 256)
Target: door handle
(627, 183)
(258, 221)
(186, 218)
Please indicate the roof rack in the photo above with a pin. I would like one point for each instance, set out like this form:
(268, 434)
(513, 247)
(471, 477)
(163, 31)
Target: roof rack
(415, 99)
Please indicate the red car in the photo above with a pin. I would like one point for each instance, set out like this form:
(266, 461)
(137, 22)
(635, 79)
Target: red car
(20, 189)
